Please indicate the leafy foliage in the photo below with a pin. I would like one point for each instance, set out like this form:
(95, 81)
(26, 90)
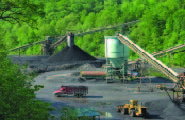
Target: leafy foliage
(17, 97)
(69, 113)
(18, 11)
(161, 26)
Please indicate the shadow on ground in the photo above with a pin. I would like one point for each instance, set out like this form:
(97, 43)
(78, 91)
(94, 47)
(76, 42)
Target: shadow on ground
(93, 97)
(82, 97)
(154, 117)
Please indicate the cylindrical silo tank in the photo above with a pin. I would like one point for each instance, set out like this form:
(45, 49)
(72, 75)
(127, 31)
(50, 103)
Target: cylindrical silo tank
(115, 51)
(70, 39)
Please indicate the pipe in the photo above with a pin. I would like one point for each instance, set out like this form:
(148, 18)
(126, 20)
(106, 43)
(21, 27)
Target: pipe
(93, 73)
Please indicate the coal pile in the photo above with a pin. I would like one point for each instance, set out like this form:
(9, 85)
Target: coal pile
(174, 111)
(69, 54)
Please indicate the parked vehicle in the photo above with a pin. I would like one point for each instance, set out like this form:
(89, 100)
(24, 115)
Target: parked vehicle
(76, 91)
(133, 109)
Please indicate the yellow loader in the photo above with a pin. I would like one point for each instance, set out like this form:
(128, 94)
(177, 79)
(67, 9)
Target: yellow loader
(133, 109)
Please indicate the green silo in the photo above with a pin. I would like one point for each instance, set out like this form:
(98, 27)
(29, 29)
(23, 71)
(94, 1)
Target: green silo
(116, 55)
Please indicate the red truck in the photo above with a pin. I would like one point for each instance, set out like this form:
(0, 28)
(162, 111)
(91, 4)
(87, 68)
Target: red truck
(76, 91)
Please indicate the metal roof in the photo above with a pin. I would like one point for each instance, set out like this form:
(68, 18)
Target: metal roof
(87, 112)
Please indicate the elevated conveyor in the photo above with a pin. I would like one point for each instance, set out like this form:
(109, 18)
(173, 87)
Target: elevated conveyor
(60, 39)
(164, 52)
(177, 47)
(156, 63)
(106, 28)
(27, 45)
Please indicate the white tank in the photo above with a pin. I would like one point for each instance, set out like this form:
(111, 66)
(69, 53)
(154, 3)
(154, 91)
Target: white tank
(116, 51)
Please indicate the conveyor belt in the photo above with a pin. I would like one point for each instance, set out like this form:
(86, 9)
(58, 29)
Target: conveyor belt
(39, 42)
(169, 50)
(58, 42)
(107, 28)
(27, 45)
(156, 63)
(164, 52)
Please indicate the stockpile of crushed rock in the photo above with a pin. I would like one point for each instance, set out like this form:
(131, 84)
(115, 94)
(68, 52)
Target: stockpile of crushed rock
(69, 54)
(90, 67)
(174, 112)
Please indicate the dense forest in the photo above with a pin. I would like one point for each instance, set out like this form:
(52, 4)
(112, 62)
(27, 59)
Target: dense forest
(162, 24)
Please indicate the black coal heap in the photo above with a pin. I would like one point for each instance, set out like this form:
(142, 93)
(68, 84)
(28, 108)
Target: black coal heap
(68, 54)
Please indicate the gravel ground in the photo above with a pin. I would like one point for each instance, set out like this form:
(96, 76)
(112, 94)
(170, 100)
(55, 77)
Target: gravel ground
(105, 97)
(102, 96)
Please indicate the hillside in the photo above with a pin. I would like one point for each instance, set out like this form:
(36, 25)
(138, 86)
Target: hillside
(162, 24)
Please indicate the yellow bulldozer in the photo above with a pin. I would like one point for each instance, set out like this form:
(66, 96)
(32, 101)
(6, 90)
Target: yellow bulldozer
(133, 109)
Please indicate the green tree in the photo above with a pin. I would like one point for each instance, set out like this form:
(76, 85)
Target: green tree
(161, 26)
(16, 96)
(18, 11)
(90, 21)
(69, 113)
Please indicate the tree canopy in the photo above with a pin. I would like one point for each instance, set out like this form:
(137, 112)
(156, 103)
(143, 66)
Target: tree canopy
(17, 94)
(18, 11)
(161, 26)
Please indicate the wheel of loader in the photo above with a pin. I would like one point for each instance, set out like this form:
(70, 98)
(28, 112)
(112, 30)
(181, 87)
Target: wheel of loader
(118, 108)
(132, 113)
(124, 111)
